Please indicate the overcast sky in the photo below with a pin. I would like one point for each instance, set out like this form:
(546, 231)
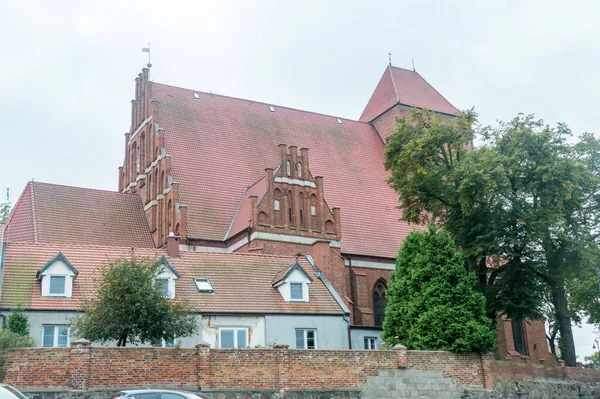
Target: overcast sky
(67, 68)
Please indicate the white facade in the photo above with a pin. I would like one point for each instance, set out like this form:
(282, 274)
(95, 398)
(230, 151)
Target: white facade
(59, 269)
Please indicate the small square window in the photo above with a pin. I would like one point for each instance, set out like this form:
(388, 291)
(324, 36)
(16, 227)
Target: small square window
(233, 337)
(163, 284)
(203, 285)
(296, 292)
(339, 121)
(196, 96)
(306, 339)
(313, 210)
(370, 343)
(276, 205)
(271, 108)
(57, 285)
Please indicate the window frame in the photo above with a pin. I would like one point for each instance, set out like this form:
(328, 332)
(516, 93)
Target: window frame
(55, 335)
(302, 298)
(167, 283)
(64, 293)
(305, 337)
(379, 308)
(368, 341)
(235, 337)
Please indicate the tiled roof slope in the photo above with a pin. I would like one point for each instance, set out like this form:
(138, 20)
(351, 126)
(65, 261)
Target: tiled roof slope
(241, 282)
(50, 213)
(220, 145)
(402, 86)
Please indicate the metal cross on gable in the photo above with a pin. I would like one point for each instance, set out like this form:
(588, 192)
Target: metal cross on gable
(390, 58)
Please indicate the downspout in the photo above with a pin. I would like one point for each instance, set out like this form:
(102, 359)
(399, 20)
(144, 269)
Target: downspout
(352, 299)
(2, 227)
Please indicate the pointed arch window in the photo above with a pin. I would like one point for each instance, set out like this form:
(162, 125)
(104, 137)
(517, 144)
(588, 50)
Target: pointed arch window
(519, 336)
(288, 168)
(379, 303)
(299, 169)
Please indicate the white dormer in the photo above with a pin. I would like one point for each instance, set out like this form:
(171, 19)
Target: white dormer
(292, 283)
(56, 277)
(166, 277)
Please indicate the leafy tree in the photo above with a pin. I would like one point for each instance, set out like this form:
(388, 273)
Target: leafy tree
(130, 308)
(17, 321)
(4, 211)
(432, 301)
(526, 199)
(594, 359)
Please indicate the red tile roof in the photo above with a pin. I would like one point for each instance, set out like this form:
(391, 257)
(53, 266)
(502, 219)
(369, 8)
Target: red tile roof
(50, 213)
(402, 86)
(241, 281)
(220, 145)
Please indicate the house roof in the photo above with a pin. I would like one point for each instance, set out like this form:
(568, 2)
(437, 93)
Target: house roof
(283, 274)
(51, 213)
(402, 86)
(219, 145)
(241, 281)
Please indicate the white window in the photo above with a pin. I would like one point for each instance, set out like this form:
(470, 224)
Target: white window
(296, 291)
(165, 343)
(306, 339)
(163, 284)
(276, 205)
(299, 169)
(233, 337)
(288, 168)
(370, 342)
(57, 285)
(313, 210)
(203, 285)
(55, 336)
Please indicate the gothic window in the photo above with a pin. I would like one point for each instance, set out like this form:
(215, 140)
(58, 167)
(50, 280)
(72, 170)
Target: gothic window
(136, 153)
(329, 226)
(314, 221)
(143, 150)
(518, 336)
(262, 218)
(299, 169)
(169, 215)
(277, 206)
(379, 303)
(288, 168)
(290, 208)
(301, 209)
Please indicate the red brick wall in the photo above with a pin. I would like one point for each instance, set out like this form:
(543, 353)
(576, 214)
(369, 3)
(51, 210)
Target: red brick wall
(38, 367)
(527, 371)
(252, 368)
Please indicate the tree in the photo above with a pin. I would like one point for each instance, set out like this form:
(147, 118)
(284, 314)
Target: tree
(9, 340)
(526, 198)
(130, 308)
(4, 211)
(594, 359)
(17, 321)
(432, 301)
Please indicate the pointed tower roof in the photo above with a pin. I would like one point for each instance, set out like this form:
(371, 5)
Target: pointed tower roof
(404, 87)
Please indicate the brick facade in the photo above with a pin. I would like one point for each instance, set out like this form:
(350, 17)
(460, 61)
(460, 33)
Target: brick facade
(82, 367)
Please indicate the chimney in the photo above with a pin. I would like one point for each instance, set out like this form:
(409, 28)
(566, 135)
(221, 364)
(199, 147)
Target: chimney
(294, 156)
(282, 158)
(173, 245)
(269, 177)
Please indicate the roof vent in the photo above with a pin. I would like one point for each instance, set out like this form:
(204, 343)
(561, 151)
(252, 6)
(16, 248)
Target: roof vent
(203, 285)
(196, 96)
(271, 108)
(339, 121)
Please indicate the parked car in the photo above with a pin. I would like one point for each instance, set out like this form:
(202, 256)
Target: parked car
(8, 392)
(156, 394)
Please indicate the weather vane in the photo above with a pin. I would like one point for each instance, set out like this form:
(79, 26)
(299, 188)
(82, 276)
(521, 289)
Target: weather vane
(147, 50)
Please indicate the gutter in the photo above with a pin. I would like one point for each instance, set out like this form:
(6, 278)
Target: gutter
(2, 228)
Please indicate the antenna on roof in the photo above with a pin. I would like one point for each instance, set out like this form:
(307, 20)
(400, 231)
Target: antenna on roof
(390, 58)
(7, 194)
(147, 50)
(413, 60)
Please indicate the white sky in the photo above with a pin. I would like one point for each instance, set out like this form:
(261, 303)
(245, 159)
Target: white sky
(67, 68)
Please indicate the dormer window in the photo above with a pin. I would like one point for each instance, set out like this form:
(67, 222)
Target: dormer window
(292, 283)
(166, 278)
(56, 277)
(57, 285)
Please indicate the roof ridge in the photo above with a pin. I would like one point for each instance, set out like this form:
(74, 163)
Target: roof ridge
(265, 103)
(33, 213)
(389, 69)
(84, 188)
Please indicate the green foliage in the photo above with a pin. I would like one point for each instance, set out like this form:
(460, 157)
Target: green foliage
(130, 308)
(527, 200)
(432, 301)
(17, 321)
(594, 359)
(4, 211)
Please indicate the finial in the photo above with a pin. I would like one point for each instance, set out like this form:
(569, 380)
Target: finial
(147, 50)
(390, 58)
(413, 60)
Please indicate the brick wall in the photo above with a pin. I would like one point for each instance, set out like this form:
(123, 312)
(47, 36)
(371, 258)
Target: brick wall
(82, 367)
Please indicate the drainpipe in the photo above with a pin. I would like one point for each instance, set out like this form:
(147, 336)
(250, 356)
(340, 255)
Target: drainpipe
(352, 299)
(2, 227)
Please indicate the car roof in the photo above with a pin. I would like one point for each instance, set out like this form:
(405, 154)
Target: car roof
(136, 391)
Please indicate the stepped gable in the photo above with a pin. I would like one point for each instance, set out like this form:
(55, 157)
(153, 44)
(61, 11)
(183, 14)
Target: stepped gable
(51, 213)
(241, 281)
(404, 87)
(219, 145)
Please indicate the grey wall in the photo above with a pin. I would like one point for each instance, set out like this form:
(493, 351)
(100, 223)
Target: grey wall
(332, 331)
(357, 336)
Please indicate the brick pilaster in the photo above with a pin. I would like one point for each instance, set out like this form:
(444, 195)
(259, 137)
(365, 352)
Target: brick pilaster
(283, 365)
(79, 364)
(204, 369)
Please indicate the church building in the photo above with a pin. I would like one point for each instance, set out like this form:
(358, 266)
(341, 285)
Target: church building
(214, 174)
